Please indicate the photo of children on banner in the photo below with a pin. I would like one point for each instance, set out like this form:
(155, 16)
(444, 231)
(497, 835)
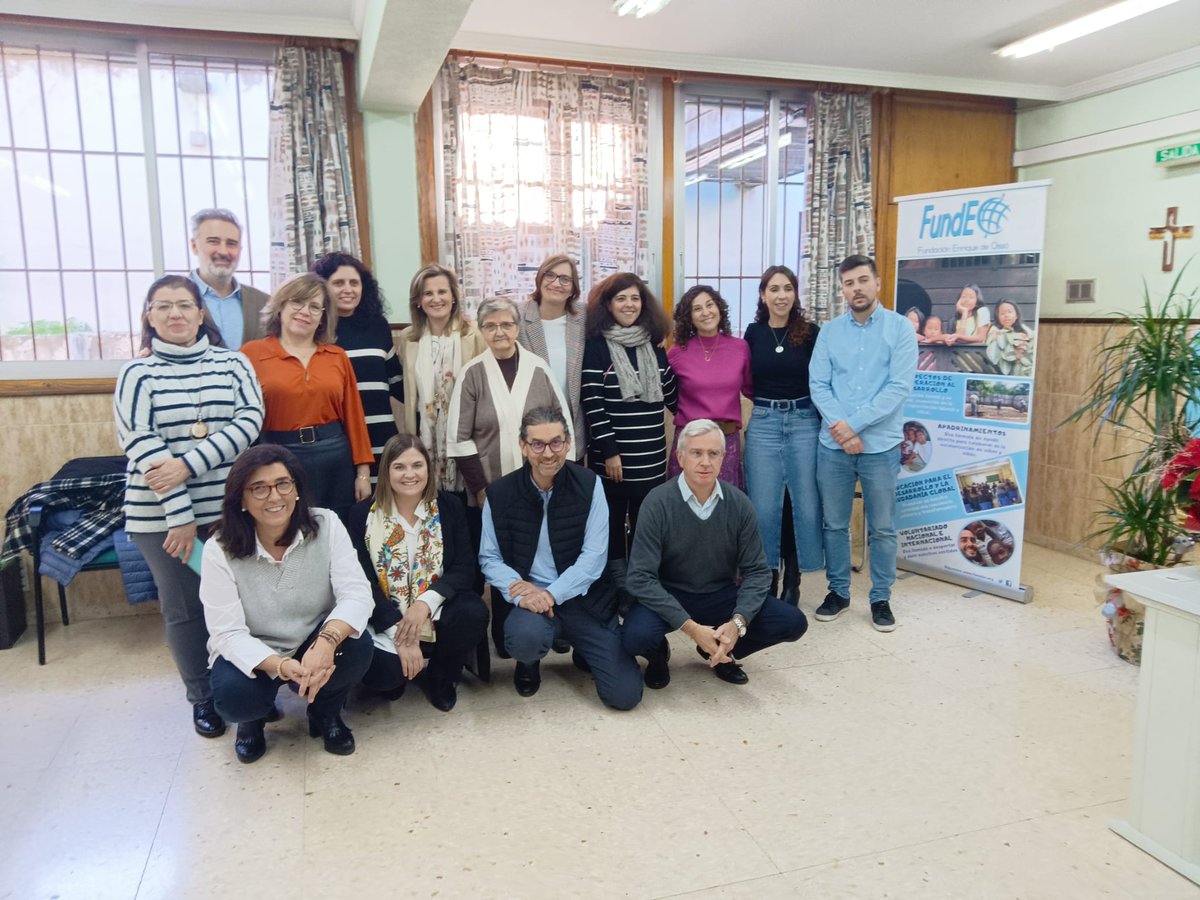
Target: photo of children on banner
(971, 318)
(990, 485)
(915, 449)
(985, 543)
(1006, 401)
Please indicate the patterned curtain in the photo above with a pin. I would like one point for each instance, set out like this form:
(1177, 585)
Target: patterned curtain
(839, 215)
(537, 163)
(311, 186)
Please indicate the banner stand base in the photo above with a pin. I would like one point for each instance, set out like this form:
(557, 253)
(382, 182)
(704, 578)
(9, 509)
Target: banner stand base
(1021, 594)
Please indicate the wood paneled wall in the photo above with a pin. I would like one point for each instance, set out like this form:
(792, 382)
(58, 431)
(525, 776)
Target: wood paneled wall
(934, 142)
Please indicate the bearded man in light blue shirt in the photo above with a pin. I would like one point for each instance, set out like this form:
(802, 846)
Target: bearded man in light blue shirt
(861, 374)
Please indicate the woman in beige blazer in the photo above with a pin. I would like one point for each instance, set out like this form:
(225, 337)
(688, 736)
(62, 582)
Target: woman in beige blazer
(440, 342)
(553, 325)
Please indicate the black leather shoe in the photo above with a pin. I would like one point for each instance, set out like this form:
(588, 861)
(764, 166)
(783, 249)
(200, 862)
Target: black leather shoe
(579, 662)
(275, 714)
(560, 645)
(731, 672)
(339, 740)
(441, 693)
(658, 673)
(207, 721)
(527, 678)
(251, 743)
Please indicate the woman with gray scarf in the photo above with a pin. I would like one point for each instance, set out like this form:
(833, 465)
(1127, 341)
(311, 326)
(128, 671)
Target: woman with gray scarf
(627, 383)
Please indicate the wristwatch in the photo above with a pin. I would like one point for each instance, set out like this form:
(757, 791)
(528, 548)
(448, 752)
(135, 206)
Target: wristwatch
(739, 622)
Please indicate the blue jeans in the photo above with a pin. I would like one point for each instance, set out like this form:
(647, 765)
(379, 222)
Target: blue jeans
(837, 472)
(781, 452)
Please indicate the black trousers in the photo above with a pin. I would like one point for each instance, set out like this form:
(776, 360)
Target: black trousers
(459, 629)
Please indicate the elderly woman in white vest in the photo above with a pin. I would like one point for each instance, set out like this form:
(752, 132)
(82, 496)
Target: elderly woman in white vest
(493, 393)
(285, 601)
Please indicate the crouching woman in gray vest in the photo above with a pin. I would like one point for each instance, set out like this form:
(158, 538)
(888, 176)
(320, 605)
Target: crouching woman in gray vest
(285, 601)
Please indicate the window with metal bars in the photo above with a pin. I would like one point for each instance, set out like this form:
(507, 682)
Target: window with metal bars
(743, 191)
(104, 154)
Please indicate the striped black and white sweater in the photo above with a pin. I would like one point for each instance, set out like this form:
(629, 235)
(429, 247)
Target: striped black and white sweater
(632, 429)
(158, 400)
(377, 370)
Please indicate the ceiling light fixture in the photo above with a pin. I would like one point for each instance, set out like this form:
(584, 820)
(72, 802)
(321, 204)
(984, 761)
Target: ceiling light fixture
(1084, 25)
(639, 8)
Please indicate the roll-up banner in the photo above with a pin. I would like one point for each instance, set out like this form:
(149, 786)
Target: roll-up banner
(968, 276)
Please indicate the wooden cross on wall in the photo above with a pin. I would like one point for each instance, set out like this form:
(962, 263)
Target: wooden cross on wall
(1170, 233)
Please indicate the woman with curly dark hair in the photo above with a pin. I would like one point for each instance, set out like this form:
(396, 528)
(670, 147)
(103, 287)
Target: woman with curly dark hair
(781, 437)
(712, 369)
(627, 385)
(363, 332)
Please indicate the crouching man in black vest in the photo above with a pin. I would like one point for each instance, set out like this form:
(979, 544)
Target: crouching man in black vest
(545, 549)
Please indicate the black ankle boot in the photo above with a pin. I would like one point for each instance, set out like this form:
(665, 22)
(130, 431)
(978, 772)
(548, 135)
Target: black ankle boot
(339, 740)
(251, 743)
(791, 587)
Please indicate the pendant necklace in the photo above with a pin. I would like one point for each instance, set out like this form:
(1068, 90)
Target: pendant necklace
(708, 352)
(199, 429)
(778, 342)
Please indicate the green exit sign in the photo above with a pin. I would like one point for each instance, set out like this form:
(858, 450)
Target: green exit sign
(1173, 156)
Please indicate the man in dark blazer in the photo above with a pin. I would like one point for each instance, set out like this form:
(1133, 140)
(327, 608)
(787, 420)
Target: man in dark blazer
(544, 551)
(217, 246)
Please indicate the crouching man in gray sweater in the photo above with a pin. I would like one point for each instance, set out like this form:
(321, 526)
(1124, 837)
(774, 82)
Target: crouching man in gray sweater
(695, 536)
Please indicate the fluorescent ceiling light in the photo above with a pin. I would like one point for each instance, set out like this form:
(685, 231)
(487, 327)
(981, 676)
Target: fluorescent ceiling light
(1077, 28)
(694, 179)
(751, 155)
(639, 8)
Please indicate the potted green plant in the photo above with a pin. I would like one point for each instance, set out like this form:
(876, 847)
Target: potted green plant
(1146, 389)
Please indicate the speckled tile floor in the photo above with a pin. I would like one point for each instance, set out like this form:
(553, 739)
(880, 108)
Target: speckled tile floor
(976, 752)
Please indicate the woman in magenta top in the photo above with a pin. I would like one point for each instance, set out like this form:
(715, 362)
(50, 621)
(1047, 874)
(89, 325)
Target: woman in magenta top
(712, 369)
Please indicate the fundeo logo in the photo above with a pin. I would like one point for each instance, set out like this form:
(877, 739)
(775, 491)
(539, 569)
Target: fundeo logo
(973, 217)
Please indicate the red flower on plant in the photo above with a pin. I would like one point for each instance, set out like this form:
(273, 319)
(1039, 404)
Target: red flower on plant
(1181, 474)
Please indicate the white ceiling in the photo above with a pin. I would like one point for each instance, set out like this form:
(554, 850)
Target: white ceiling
(929, 44)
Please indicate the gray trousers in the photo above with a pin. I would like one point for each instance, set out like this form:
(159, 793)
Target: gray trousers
(183, 616)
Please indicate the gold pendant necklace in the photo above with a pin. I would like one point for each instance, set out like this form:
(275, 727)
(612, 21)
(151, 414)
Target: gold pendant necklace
(708, 352)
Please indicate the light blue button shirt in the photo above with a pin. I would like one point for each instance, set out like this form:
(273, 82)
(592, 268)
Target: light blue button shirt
(705, 509)
(575, 580)
(863, 373)
(226, 311)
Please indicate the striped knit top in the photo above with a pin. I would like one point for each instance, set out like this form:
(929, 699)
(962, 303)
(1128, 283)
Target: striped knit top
(158, 401)
(633, 429)
(368, 343)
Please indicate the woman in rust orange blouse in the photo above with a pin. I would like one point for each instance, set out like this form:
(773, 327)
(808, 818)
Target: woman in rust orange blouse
(310, 394)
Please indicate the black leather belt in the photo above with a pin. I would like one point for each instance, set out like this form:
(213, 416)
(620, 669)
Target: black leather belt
(309, 434)
(785, 405)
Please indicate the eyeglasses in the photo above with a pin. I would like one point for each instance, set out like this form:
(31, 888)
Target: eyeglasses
(315, 308)
(165, 308)
(493, 327)
(564, 280)
(555, 445)
(261, 490)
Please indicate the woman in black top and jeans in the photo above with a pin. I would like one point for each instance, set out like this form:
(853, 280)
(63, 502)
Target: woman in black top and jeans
(781, 438)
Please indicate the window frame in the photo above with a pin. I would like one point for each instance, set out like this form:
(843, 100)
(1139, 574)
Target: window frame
(22, 378)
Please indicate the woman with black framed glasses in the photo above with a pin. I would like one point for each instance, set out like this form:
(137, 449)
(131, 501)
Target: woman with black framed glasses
(285, 601)
(183, 415)
(311, 395)
(554, 326)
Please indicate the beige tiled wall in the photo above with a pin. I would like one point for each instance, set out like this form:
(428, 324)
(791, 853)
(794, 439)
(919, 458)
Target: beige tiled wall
(1068, 465)
(39, 434)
